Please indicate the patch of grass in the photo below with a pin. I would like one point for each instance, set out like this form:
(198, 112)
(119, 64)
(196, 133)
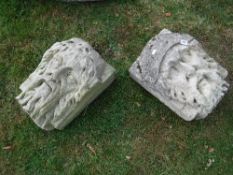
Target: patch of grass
(130, 130)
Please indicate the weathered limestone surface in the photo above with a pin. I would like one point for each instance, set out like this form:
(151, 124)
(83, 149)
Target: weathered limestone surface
(174, 68)
(70, 75)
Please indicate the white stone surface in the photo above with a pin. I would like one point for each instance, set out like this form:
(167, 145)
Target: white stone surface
(174, 68)
(70, 75)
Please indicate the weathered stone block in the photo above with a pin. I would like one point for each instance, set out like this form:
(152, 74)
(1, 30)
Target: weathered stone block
(70, 75)
(174, 68)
